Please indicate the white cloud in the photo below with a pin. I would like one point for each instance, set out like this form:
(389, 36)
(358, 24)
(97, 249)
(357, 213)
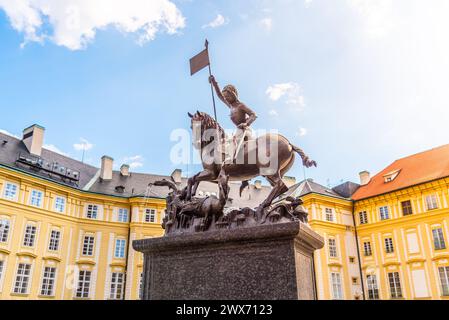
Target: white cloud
(273, 113)
(290, 90)
(307, 3)
(376, 16)
(83, 145)
(266, 23)
(53, 148)
(75, 23)
(302, 132)
(9, 133)
(134, 162)
(217, 22)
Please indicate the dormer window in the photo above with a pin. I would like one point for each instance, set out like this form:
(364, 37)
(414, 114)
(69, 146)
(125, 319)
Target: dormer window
(391, 176)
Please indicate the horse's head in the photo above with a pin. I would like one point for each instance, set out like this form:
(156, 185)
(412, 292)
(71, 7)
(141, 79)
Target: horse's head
(204, 128)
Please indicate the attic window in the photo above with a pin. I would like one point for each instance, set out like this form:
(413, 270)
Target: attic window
(391, 176)
(120, 189)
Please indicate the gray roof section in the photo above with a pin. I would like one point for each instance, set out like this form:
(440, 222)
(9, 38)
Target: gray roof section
(346, 189)
(309, 186)
(10, 151)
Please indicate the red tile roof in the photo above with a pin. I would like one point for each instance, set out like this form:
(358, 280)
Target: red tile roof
(415, 169)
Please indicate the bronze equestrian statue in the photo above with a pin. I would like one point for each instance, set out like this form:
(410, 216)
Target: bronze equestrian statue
(278, 150)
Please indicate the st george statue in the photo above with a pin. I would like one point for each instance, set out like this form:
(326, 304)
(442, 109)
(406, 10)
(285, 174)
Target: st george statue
(270, 155)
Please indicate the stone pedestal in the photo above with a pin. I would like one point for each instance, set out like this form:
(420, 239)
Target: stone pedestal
(256, 263)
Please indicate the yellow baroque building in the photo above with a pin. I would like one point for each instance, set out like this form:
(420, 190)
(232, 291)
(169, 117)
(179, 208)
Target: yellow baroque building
(66, 228)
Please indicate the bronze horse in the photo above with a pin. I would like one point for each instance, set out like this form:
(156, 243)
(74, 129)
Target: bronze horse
(274, 145)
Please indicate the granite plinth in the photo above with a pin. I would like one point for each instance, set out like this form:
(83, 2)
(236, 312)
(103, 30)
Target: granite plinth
(272, 262)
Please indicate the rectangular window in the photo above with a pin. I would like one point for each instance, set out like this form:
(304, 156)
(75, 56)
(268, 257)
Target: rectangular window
(329, 215)
(367, 249)
(10, 192)
(373, 289)
(92, 211)
(384, 213)
(432, 202)
(36, 198)
(83, 288)
(22, 278)
(48, 282)
(4, 230)
(351, 260)
(150, 215)
(88, 245)
(389, 248)
(332, 248)
(141, 285)
(363, 217)
(395, 285)
(60, 204)
(438, 239)
(337, 292)
(406, 208)
(116, 286)
(120, 248)
(55, 237)
(122, 215)
(444, 280)
(1, 269)
(30, 236)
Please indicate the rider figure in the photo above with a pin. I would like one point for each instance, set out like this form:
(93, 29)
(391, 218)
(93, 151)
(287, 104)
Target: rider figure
(241, 115)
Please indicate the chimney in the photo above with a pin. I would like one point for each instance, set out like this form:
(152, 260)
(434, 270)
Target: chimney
(177, 176)
(33, 138)
(106, 168)
(258, 184)
(365, 178)
(124, 170)
(289, 181)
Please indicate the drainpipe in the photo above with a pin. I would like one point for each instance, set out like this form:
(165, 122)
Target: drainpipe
(362, 281)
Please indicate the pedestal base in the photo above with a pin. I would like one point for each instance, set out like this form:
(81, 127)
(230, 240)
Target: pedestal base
(258, 263)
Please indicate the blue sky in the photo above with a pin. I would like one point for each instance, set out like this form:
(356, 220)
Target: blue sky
(355, 83)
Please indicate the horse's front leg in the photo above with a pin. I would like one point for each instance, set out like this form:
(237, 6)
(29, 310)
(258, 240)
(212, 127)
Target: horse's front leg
(194, 182)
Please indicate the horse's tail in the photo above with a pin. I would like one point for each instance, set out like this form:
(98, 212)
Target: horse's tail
(305, 159)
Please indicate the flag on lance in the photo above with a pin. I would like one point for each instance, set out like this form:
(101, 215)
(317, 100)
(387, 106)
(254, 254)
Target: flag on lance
(200, 61)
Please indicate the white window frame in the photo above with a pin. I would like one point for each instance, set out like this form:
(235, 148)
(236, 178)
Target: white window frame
(54, 240)
(389, 245)
(120, 248)
(394, 283)
(372, 287)
(88, 245)
(117, 286)
(439, 242)
(122, 215)
(83, 284)
(140, 293)
(36, 198)
(363, 217)
(367, 249)
(92, 211)
(48, 282)
(22, 279)
(337, 287)
(444, 280)
(384, 213)
(5, 228)
(332, 246)
(29, 237)
(150, 215)
(431, 202)
(329, 213)
(7, 191)
(60, 203)
(2, 266)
